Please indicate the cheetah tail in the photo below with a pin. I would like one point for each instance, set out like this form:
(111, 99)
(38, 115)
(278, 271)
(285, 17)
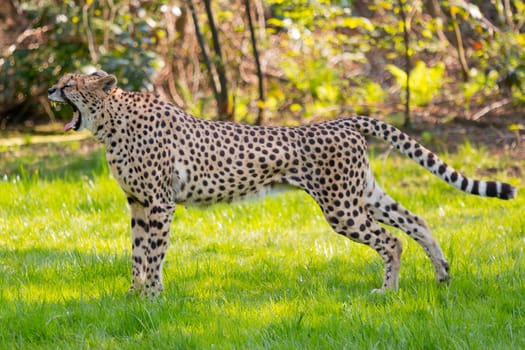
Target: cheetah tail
(411, 148)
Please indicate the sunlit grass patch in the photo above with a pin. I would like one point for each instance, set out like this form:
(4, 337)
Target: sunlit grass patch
(261, 274)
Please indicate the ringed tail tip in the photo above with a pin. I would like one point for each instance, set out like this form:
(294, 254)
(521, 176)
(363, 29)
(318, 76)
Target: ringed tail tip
(508, 192)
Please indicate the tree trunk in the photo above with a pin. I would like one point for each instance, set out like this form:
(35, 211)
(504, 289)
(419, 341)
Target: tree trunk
(225, 110)
(406, 38)
(260, 104)
(202, 45)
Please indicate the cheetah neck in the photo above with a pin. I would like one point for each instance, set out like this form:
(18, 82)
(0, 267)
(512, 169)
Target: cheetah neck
(110, 122)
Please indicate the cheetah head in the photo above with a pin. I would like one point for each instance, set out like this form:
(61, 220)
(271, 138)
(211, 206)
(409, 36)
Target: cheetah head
(85, 93)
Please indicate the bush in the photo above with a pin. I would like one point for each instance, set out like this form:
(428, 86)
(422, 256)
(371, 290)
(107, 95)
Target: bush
(66, 37)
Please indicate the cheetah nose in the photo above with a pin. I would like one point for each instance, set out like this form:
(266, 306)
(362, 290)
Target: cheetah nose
(51, 90)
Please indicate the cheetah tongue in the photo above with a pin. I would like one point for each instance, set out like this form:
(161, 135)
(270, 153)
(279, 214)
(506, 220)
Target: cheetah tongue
(73, 123)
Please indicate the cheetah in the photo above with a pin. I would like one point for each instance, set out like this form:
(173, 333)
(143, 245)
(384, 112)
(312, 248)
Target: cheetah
(162, 156)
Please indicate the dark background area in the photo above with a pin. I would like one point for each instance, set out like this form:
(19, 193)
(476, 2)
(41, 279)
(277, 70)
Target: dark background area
(280, 61)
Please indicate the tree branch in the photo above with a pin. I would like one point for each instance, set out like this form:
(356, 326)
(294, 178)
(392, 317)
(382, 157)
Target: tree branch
(487, 109)
(459, 46)
(406, 38)
(200, 39)
(260, 105)
(225, 112)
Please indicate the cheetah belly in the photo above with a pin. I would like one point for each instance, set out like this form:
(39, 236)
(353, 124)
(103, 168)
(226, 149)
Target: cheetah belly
(209, 188)
(236, 196)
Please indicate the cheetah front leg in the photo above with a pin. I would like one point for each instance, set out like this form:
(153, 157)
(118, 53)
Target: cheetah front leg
(140, 251)
(160, 217)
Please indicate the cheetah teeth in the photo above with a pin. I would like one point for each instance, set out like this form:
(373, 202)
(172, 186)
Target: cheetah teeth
(56, 104)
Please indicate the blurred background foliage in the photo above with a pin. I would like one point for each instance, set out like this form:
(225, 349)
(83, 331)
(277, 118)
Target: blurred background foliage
(318, 59)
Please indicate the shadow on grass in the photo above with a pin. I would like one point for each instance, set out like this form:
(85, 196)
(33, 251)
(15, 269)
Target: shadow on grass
(62, 299)
(55, 273)
(55, 298)
(51, 296)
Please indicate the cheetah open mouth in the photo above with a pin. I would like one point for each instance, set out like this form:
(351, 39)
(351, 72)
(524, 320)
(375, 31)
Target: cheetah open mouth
(75, 121)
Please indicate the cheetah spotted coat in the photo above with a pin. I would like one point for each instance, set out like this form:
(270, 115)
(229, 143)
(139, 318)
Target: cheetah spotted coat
(162, 156)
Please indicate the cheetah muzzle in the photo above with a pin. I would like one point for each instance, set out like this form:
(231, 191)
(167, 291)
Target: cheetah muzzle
(162, 156)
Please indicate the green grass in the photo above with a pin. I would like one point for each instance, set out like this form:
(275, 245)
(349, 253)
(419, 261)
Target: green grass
(253, 275)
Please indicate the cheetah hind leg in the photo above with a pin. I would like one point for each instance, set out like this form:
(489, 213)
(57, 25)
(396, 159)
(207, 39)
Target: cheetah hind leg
(387, 246)
(359, 226)
(386, 210)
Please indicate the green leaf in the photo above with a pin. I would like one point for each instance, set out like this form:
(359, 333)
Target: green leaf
(355, 22)
(295, 107)
(398, 73)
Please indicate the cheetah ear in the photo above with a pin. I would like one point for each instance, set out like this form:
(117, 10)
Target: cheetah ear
(99, 73)
(107, 83)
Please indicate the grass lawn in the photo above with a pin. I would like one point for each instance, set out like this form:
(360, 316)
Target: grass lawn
(253, 275)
